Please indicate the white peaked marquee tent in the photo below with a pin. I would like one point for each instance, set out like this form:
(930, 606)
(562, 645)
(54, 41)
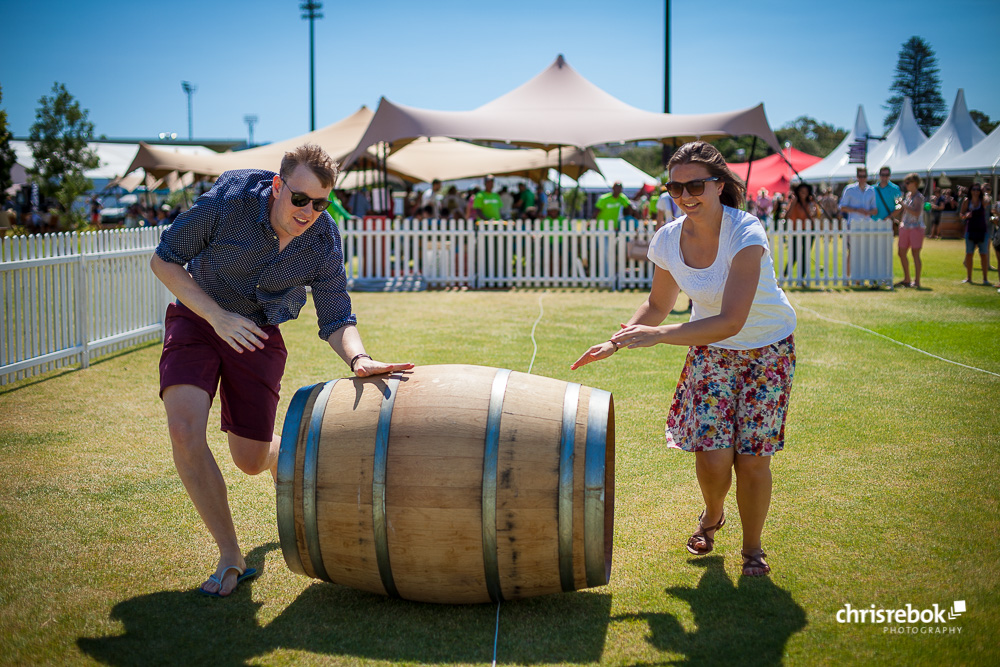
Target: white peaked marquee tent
(835, 167)
(958, 134)
(980, 160)
(558, 107)
(904, 138)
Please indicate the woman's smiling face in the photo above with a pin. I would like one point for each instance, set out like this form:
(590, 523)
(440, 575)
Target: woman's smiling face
(697, 205)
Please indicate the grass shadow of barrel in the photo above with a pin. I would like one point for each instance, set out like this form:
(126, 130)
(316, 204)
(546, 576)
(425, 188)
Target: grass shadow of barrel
(182, 627)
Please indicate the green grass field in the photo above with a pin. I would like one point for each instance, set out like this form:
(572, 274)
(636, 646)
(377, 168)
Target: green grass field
(887, 494)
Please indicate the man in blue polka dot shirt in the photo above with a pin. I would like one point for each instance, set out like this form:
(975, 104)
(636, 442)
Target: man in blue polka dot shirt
(239, 262)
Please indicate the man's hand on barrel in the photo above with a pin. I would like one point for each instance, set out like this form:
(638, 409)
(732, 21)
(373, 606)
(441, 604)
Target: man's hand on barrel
(595, 353)
(366, 367)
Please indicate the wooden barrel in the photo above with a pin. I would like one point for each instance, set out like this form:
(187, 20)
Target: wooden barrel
(451, 483)
(951, 227)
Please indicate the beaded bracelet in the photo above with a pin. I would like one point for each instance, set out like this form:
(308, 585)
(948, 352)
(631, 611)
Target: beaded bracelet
(355, 359)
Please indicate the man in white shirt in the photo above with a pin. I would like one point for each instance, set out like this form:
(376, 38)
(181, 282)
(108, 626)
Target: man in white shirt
(432, 198)
(858, 202)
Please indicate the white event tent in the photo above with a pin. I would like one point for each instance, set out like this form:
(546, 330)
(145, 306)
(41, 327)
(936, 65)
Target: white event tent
(835, 167)
(958, 134)
(983, 159)
(904, 138)
(612, 169)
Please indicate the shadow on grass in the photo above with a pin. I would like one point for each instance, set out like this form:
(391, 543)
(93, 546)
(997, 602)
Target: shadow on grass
(747, 623)
(187, 628)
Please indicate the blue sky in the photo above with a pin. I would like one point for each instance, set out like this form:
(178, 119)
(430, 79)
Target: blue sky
(124, 61)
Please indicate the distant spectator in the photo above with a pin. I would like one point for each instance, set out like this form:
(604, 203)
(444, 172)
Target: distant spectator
(486, 205)
(666, 208)
(358, 204)
(887, 195)
(974, 213)
(95, 210)
(828, 203)
(778, 206)
(911, 229)
(506, 203)
(762, 206)
(937, 207)
(611, 205)
(433, 198)
(525, 202)
(803, 213)
(541, 198)
(452, 206)
(858, 202)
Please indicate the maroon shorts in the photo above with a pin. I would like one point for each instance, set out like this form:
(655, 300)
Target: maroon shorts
(194, 354)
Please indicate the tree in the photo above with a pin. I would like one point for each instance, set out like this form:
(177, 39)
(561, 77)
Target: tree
(983, 121)
(58, 142)
(811, 136)
(7, 156)
(917, 78)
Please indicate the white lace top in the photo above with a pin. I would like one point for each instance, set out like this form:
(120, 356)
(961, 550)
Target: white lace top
(771, 316)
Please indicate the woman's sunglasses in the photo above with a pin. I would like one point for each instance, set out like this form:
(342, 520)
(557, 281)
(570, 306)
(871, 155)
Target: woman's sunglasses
(695, 188)
(299, 199)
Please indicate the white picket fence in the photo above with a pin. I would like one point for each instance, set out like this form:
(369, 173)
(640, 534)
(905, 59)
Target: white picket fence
(70, 297)
(496, 254)
(589, 253)
(816, 253)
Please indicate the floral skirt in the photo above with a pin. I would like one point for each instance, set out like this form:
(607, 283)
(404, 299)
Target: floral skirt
(733, 398)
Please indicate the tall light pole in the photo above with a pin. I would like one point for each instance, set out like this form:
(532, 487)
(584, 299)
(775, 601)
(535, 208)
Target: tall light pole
(189, 88)
(311, 9)
(250, 119)
(666, 71)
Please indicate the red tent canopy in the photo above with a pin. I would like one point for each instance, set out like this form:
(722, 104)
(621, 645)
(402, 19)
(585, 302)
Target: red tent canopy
(772, 172)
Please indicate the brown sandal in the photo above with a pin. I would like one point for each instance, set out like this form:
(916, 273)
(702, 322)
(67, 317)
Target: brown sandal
(755, 561)
(700, 536)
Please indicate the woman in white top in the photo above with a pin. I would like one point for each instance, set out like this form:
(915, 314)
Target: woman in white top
(730, 404)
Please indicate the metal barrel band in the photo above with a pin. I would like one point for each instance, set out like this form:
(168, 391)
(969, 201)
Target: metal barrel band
(567, 443)
(291, 434)
(309, 479)
(491, 453)
(594, 492)
(381, 460)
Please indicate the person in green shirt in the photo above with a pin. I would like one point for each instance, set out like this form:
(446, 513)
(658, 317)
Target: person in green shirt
(336, 209)
(487, 203)
(525, 201)
(610, 205)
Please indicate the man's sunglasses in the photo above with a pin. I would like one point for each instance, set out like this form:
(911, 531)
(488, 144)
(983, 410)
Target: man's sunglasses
(300, 199)
(695, 188)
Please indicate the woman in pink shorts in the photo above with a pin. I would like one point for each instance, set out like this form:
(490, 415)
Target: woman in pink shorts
(911, 229)
(730, 403)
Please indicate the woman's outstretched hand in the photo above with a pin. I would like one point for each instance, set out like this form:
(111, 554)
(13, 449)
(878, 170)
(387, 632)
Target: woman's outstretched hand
(637, 335)
(595, 353)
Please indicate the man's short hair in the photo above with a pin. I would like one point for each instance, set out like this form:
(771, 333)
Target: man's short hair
(314, 157)
(862, 170)
(885, 169)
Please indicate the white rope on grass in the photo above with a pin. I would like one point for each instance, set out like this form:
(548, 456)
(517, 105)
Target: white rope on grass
(541, 311)
(893, 340)
(496, 636)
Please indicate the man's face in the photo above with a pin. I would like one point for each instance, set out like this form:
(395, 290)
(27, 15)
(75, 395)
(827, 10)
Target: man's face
(489, 185)
(287, 219)
(883, 177)
(616, 189)
(862, 176)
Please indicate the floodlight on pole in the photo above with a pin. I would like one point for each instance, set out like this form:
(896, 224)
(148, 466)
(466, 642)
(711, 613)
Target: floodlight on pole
(250, 119)
(311, 11)
(189, 89)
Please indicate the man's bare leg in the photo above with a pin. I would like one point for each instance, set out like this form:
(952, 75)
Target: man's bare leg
(187, 409)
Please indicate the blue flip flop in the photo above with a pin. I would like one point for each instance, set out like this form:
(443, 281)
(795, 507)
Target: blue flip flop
(241, 576)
